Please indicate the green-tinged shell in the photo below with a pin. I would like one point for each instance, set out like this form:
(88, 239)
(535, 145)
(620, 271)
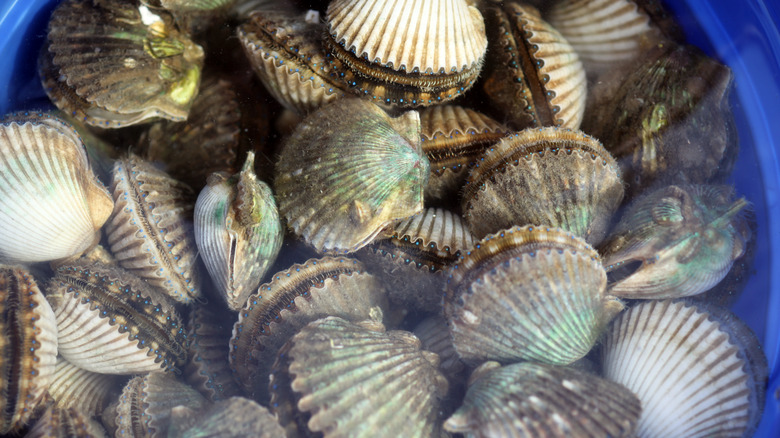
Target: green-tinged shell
(535, 77)
(536, 400)
(28, 347)
(115, 63)
(236, 417)
(698, 370)
(206, 143)
(112, 322)
(318, 288)
(286, 53)
(356, 380)
(528, 293)
(550, 176)
(85, 391)
(666, 118)
(145, 406)
(412, 264)
(347, 172)
(685, 238)
(238, 232)
(453, 139)
(71, 422)
(150, 231)
(44, 170)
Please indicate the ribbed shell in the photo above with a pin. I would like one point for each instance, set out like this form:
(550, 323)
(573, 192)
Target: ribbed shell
(150, 231)
(528, 293)
(435, 337)
(435, 36)
(44, 170)
(28, 347)
(347, 172)
(85, 391)
(286, 54)
(238, 232)
(66, 423)
(112, 322)
(315, 289)
(115, 64)
(698, 372)
(536, 400)
(552, 176)
(354, 380)
(236, 417)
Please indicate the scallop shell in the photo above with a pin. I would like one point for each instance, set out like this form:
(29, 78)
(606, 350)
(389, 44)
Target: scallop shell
(350, 379)
(114, 63)
(536, 78)
(111, 322)
(530, 399)
(85, 391)
(686, 238)
(528, 293)
(150, 231)
(44, 169)
(435, 337)
(59, 422)
(698, 371)
(238, 232)
(550, 176)
(347, 172)
(315, 289)
(236, 417)
(28, 347)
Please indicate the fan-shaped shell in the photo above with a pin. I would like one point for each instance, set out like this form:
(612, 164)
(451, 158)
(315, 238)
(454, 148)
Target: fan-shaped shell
(236, 417)
(44, 170)
(85, 391)
(347, 172)
(56, 422)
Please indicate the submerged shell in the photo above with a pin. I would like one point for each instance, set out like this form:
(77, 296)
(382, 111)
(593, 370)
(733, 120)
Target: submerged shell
(435, 337)
(686, 238)
(150, 231)
(351, 379)
(85, 391)
(347, 172)
(236, 417)
(698, 371)
(115, 63)
(28, 347)
(529, 399)
(528, 293)
(57, 422)
(44, 169)
(238, 232)
(549, 176)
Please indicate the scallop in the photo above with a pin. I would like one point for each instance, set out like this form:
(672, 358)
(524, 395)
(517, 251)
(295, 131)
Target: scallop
(85, 391)
(236, 417)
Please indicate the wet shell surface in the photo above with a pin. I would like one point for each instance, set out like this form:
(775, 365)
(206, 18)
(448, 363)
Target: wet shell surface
(44, 169)
(85, 391)
(150, 232)
(112, 322)
(685, 239)
(238, 232)
(236, 417)
(59, 422)
(143, 68)
(350, 379)
(549, 176)
(528, 293)
(536, 77)
(435, 337)
(530, 399)
(698, 371)
(28, 347)
(347, 172)
(315, 289)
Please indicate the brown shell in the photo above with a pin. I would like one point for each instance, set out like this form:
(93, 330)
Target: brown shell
(57, 422)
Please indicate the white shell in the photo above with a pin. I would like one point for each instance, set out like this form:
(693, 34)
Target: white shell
(74, 387)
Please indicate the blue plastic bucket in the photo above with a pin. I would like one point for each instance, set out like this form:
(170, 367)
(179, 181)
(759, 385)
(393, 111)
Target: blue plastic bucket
(743, 35)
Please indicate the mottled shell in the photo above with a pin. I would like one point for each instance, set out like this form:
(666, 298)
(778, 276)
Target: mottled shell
(528, 293)
(59, 422)
(684, 238)
(28, 347)
(347, 172)
(406, 53)
(315, 289)
(536, 400)
(115, 63)
(238, 232)
(112, 322)
(150, 231)
(698, 371)
(43, 170)
(85, 391)
(236, 417)
(536, 78)
(347, 379)
(550, 176)
(286, 54)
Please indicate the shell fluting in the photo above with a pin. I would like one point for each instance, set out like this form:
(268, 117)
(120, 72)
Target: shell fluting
(57, 422)
(85, 391)
(236, 417)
